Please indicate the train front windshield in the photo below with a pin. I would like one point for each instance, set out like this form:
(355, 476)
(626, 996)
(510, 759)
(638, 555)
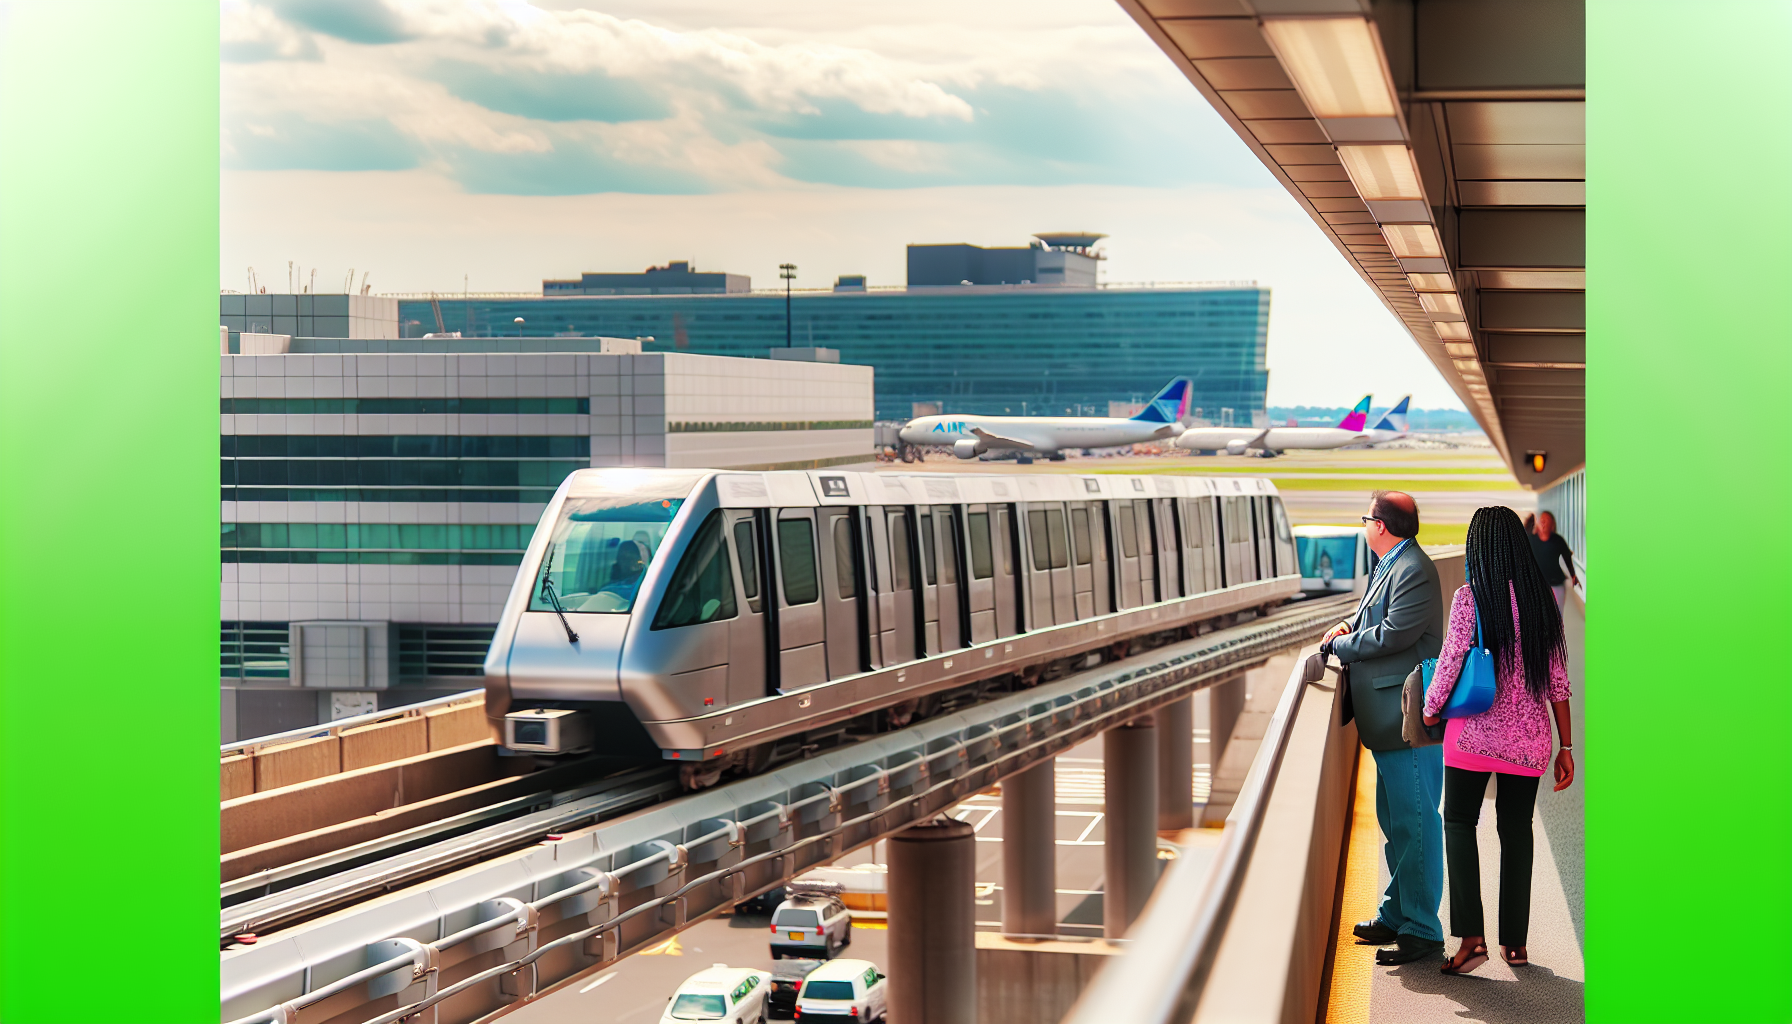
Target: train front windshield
(599, 553)
(1328, 558)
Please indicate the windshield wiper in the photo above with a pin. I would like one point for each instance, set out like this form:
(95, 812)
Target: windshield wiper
(547, 588)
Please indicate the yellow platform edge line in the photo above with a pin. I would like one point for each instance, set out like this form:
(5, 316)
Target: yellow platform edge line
(1353, 966)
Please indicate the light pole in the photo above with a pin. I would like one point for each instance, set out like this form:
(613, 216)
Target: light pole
(787, 271)
(519, 326)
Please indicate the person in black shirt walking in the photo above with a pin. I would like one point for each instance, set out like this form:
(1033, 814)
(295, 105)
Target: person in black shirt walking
(1552, 555)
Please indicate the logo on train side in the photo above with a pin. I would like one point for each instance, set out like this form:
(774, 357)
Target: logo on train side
(948, 428)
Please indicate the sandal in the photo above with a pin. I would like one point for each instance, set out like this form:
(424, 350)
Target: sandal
(1516, 956)
(1461, 964)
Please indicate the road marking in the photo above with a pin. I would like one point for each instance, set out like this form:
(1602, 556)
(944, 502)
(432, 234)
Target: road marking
(600, 980)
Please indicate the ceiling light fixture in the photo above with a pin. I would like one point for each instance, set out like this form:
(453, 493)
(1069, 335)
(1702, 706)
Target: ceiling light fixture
(1453, 330)
(1441, 302)
(1335, 63)
(1431, 282)
(1460, 348)
(1409, 241)
(1382, 172)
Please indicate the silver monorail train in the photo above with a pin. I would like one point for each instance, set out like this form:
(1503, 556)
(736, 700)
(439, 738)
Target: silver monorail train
(724, 617)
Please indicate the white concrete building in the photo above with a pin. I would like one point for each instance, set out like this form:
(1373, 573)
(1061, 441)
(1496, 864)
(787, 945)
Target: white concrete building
(377, 496)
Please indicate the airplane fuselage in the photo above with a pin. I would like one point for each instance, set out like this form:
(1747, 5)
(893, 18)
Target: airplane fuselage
(1035, 433)
(1276, 439)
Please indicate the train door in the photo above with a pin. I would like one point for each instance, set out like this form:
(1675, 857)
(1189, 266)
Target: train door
(980, 588)
(1007, 581)
(1194, 555)
(903, 618)
(1039, 569)
(1126, 530)
(1091, 533)
(840, 591)
(928, 579)
(1147, 527)
(1057, 544)
(747, 677)
(1169, 547)
(802, 625)
(1241, 553)
(951, 597)
(1287, 559)
(1082, 560)
(1262, 534)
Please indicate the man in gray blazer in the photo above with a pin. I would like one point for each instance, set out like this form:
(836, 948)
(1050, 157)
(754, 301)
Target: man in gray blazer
(1398, 623)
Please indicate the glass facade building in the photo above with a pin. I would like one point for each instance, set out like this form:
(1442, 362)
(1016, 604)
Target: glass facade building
(984, 349)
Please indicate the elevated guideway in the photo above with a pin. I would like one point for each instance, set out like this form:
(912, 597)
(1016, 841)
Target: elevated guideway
(580, 886)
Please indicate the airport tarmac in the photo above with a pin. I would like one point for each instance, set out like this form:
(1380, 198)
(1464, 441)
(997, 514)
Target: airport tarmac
(1319, 487)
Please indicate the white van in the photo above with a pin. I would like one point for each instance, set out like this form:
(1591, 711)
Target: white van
(843, 991)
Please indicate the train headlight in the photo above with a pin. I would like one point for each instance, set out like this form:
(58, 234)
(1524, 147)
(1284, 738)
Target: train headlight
(1537, 460)
(548, 731)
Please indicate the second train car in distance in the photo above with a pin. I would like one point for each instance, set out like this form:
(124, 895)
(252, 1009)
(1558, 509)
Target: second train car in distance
(732, 620)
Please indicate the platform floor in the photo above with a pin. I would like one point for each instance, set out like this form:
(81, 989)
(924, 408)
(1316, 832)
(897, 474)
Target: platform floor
(1547, 991)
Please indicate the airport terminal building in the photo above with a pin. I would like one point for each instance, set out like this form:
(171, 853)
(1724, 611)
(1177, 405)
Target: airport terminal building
(377, 493)
(1021, 331)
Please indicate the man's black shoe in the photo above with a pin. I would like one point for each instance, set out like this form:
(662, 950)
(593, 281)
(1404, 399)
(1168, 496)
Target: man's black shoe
(1374, 933)
(1406, 949)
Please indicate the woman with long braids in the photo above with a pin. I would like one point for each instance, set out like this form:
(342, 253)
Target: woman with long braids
(1522, 628)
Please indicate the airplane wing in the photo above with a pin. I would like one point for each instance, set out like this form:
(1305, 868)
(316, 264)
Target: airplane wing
(1000, 441)
(1166, 430)
(1257, 442)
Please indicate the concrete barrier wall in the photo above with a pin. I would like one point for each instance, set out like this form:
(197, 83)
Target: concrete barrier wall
(1269, 965)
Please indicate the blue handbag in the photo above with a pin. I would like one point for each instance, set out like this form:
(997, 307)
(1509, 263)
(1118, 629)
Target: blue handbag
(1475, 687)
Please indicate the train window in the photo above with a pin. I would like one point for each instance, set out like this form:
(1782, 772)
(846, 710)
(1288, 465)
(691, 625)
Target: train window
(599, 552)
(948, 545)
(902, 568)
(1191, 523)
(796, 560)
(982, 564)
(746, 546)
(929, 567)
(1079, 531)
(844, 564)
(1036, 532)
(1054, 519)
(1281, 516)
(702, 589)
(1129, 531)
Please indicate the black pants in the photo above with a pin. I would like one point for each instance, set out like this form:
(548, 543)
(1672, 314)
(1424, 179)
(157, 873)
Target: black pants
(1515, 797)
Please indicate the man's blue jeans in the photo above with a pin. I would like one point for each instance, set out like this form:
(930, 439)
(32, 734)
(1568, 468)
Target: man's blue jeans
(1408, 789)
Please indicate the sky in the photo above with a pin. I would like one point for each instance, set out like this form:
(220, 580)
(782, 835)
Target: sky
(432, 145)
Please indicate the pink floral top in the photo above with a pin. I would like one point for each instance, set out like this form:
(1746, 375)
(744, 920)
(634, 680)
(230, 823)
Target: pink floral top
(1514, 735)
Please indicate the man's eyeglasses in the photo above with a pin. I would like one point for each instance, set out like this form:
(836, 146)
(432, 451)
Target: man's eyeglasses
(1371, 519)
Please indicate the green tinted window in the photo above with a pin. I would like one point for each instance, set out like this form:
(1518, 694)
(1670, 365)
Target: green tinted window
(746, 545)
(1129, 535)
(1038, 540)
(1079, 532)
(845, 565)
(901, 568)
(982, 565)
(702, 588)
(1054, 522)
(796, 560)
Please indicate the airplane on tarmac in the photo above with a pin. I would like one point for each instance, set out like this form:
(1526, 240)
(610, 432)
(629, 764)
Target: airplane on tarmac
(1270, 440)
(1392, 425)
(971, 436)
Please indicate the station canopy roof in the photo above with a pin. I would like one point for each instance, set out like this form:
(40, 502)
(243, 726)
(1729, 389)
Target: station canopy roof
(1441, 145)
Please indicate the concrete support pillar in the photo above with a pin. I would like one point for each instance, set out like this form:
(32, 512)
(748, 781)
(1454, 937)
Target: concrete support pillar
(1030, 852)
(1129, 754)
(1225, 704)
(933, 923)
(1176, 765)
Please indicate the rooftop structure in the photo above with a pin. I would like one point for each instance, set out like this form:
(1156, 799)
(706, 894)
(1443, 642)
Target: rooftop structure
(675, 278)
(1065, 259)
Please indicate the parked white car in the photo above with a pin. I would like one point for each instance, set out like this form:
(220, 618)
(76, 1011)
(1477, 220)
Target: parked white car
(735, 995)
(843, 991)
(813, 923)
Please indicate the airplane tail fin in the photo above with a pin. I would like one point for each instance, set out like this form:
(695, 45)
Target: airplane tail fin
(1358, 418)
(1395, 418)
(1170, 404)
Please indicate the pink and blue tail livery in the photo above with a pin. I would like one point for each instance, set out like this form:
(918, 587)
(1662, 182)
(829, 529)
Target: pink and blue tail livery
(1170, 404)
(1358, 418)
